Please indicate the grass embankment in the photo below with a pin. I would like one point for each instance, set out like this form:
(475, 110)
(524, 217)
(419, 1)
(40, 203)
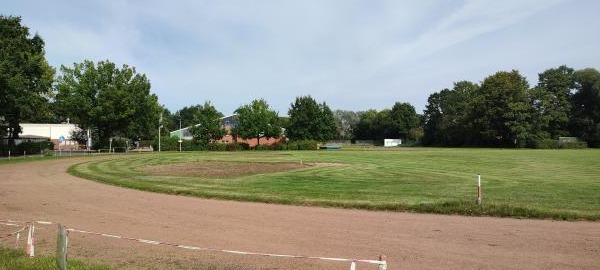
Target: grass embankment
(17, 259)
(557, 184)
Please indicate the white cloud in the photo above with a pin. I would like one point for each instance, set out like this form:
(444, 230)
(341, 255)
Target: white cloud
(353, 54)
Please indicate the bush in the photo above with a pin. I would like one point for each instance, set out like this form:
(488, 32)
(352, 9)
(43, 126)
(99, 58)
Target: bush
(237, 146)
(573, 145)
(34, 147)
(542, 144)
(216, 146)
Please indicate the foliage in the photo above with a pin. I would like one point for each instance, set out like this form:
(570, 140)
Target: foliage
(34, 147)
(25, 78)
(447, 116)
(500, 112)
(401, 121)
(503, 111)
(519, 183)
(310, 120)
(256, 120)
(302, 145)
(585, 122)
(405, 121)
(346, 122)
(550, 103)
(207, 124)
(116, 102)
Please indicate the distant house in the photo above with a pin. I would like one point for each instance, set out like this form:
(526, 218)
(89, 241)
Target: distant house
(59, 134)
(228, 123)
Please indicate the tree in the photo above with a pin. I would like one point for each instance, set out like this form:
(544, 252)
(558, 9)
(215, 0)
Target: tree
(187, 115)
(500, 111)
(113, 101)
(256, 120)
(585, 122)
(405, 121)
(346, 122)
(310, 120)
(550, 102)
(25, 77)
(207, 127)
(366, 126)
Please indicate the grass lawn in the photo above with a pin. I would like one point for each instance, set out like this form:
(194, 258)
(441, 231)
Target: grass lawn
(17, 259)
(557, 184)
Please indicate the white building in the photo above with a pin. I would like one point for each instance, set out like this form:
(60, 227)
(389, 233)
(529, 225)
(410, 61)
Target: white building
(59, 134)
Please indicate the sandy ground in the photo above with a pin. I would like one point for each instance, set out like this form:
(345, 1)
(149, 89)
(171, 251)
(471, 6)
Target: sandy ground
(44, 191)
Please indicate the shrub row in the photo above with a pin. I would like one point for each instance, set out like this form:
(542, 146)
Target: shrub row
(554, 144)
(27, 148)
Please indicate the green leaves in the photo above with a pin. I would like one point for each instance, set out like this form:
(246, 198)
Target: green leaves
(25, 77)
(207, 127)
(257, 120)
(310, 121)
(116, 101)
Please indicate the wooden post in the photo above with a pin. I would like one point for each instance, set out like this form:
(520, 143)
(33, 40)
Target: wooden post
(61, 248)
(479, 189)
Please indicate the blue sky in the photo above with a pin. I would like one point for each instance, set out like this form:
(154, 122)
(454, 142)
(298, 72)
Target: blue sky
(354, 55)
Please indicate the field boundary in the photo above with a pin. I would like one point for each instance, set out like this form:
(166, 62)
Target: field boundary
(64, 232)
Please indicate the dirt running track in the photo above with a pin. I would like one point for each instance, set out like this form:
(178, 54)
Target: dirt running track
(44, 191)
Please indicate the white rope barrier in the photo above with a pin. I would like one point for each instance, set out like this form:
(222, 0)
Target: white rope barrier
(352, 261)
(31, 249)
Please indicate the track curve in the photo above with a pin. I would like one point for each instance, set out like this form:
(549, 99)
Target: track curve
(44, 191)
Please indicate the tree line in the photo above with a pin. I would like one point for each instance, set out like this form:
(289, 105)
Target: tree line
(116, 102)
(504, 111)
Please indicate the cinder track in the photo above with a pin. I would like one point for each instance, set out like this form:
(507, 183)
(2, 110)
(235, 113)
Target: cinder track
(44, 191)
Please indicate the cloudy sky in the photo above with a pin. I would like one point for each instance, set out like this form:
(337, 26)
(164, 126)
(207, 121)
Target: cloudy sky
(354, 55)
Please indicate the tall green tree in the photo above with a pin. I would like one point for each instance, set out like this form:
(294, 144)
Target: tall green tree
(585, 122)
(367, 124)
(500, 112)
(113, 101)
(550, 103)
(25, 77)
(256, 120)
(310, 120)
(405, 121)
(207, 127)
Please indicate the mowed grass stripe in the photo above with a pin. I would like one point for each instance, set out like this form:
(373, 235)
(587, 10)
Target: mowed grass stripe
(559, 184)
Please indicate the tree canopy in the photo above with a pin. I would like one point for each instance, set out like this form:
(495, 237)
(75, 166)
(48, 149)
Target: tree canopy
(504, 111)
(310, 120)
(25, 77)
(207, 124)
(110, 100)
(256, 120)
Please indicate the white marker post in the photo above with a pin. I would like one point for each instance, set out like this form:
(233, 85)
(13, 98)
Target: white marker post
(478, 189)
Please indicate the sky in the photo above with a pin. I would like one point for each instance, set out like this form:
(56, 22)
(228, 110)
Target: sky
(353, 55)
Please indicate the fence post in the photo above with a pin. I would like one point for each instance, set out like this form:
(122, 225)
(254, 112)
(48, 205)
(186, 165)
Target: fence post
(479, 189)
(61, 248)
(383, 266)
(30, 248)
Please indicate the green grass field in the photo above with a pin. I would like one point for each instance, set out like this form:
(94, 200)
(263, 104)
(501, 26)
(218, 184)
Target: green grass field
(557, 184)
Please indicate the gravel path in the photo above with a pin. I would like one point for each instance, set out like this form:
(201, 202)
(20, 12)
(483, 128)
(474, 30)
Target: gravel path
(44, 191)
